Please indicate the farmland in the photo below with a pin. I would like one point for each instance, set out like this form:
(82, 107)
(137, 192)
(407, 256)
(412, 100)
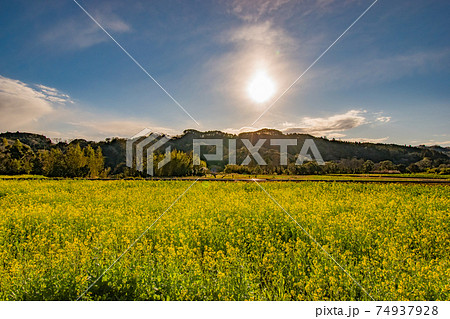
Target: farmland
(223, 241)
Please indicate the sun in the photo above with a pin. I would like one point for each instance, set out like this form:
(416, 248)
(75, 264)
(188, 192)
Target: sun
(261, 87)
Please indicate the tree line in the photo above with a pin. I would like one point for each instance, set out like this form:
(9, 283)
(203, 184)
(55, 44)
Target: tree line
(19, 158)
(344, 166)
(76, 161)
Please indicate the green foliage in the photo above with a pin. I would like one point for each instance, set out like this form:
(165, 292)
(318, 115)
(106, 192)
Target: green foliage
(16, 159)
(386, 166)
(94, 160)
(180, 164)
(367, 166)
(441, 170)
(413, 168)
(54, 163)
(238, 169)
(74, 162)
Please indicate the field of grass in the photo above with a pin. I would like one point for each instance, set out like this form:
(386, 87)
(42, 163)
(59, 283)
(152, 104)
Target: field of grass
(223, 241)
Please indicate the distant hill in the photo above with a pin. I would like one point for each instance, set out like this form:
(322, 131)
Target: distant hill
(331, 150)
(35, 141)
(114, 149)
(437, 148)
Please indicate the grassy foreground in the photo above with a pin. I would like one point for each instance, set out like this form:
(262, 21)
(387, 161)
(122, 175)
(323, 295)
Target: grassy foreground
(223, 241)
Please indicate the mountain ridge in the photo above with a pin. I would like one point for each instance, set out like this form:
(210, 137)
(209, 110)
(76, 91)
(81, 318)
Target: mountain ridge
(114, 149)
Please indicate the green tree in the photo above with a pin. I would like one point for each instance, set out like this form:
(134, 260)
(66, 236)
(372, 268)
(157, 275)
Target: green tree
(387, 166)
(14, 167)
(200, 170)
(425, 163)
(181, 164)
(53, 163)
(94, 161)
(368, 166)
(330, 168)
(413, 168)
(312, 168)
(99, 160)
(16, 150)
(17, 158)
(39, 162)
(75, 161)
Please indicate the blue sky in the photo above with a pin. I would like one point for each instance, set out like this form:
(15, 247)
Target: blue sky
(386, 80)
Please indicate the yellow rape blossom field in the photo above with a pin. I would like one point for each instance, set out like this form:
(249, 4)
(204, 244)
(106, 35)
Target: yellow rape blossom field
(223, 240)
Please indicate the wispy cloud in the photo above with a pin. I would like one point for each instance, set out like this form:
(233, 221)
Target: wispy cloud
(369, 70)
(431, 142)
(262, 33)
(257, 10)
(53, 95)
(366, 140)
(80, 32)
(254, 10)
(251, 48)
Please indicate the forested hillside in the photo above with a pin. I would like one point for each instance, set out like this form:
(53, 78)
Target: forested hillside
(27, 153)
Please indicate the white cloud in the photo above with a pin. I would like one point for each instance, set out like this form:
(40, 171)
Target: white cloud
(324, 125)
(383, 119)
(44, 110)
(21, 104)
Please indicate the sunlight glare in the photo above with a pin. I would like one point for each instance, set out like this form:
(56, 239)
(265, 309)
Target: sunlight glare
(261, 87)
